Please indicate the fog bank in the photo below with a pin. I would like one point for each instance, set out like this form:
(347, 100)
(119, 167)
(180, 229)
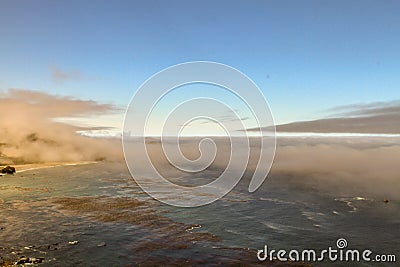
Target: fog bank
(29, 134)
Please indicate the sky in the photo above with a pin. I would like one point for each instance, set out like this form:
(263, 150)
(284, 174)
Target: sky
(305, 56)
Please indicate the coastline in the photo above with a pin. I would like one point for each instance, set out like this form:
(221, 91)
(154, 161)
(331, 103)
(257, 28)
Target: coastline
(37, 166)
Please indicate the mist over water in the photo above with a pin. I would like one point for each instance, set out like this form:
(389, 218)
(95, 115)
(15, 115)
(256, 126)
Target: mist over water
(99, 204)
(319, 189)
(340, 165)
(30, 134)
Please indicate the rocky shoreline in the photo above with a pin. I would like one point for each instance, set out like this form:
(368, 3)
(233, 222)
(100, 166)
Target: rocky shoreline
(7, 170)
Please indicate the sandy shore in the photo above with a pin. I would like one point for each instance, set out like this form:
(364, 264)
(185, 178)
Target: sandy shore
(36, 166)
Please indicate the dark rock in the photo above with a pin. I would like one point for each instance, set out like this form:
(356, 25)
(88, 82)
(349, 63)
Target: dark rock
(27, 260)
(8, 170)
(386, 201)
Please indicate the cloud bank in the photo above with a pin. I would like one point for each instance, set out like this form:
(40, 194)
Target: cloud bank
(345, 166)
(365, 165)
(379, 117)
(29, 132)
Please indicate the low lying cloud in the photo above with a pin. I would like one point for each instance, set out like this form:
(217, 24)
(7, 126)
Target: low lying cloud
(346, 166)
(367, 165)
(29, 132)
(378, 117)
(369, 109)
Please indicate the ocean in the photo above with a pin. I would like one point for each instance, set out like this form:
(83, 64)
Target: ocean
(96, 215)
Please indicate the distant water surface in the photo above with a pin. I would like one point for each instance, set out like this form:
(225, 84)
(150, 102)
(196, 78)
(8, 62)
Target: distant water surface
(116, 224)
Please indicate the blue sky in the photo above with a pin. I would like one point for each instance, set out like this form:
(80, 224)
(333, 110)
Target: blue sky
(306, 56)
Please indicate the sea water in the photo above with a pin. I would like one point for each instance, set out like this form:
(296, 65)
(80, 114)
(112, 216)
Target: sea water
(39, 218)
